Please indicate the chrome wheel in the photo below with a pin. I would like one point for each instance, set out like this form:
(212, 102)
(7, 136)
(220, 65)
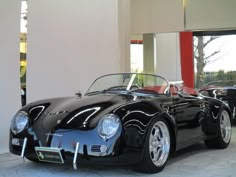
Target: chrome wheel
(225, 126)
(159, 143)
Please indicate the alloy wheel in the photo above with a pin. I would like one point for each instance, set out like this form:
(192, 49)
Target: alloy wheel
(225, 126)
(159, 143)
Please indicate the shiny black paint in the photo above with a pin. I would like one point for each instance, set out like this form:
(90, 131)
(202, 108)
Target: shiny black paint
(65, 121)
(229, 97)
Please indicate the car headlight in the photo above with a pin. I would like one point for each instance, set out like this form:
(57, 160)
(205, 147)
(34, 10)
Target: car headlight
(108, 126)
(19, 122)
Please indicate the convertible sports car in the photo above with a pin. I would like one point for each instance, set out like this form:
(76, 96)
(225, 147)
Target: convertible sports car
(223, 90)
(129, 118)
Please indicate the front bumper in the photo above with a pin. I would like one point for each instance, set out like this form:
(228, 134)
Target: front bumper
(77, 145)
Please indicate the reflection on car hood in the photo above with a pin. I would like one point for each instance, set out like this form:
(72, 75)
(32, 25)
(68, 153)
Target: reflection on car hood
(79, 113)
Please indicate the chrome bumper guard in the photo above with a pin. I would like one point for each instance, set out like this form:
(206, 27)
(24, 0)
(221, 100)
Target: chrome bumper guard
(75, 156)
(74, 159)
(23, 148)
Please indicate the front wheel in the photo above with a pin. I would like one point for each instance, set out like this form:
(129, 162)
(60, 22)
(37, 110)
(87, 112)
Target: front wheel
(33, 159)
(157, 147)
(224, 134)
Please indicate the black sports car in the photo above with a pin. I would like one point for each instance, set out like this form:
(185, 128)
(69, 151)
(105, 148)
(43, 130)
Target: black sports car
(126, 118)
(223, 90)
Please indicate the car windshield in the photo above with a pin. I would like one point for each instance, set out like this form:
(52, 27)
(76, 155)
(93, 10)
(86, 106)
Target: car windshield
(135, 82)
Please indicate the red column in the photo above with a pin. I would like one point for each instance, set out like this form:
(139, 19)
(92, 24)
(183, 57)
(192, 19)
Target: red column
(187, 58)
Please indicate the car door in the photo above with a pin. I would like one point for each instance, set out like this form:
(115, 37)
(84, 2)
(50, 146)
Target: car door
(188, 114)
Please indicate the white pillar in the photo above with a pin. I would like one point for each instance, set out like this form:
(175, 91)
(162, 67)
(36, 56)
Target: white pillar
(72, 42)
(148, 53)
(9, 67)
(168, 56)
(124, 34)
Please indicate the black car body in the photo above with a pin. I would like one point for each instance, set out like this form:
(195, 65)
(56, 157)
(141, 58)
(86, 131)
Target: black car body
(224, 91)
(123, 118)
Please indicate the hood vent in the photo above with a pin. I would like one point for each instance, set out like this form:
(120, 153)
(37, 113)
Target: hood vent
(36, 111)
(80, 118)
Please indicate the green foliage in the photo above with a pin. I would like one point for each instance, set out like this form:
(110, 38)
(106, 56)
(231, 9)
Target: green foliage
(221, 75)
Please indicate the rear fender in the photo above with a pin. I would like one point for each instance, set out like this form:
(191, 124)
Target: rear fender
(215, 108)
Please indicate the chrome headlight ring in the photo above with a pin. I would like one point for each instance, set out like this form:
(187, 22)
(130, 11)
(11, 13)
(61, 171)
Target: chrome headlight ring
(108, 126)
(19, 122)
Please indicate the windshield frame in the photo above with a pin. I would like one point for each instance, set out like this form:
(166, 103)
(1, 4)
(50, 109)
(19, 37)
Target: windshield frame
(129, 85)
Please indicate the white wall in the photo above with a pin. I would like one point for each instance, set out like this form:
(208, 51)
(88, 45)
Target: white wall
(72, 42)
(210, 14)
(154, 16)
(9, 67)
(168, 56)
(124, 34)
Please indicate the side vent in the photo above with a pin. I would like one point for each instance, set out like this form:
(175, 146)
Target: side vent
(98, 148)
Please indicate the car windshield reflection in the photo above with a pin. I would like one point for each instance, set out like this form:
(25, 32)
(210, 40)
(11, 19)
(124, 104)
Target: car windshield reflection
(129, 82)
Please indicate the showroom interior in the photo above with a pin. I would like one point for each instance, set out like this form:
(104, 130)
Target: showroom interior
(54, 48)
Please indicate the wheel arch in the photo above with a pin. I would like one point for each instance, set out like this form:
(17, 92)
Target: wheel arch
(212, 129)
(221, 140)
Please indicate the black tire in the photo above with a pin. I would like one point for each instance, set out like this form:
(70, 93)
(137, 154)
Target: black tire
(158, 131)
(234, 121)
(35, 160)
(224, 132)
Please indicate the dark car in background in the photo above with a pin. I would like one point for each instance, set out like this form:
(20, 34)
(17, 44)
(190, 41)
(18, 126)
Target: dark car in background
(224, 90)
(130, 118)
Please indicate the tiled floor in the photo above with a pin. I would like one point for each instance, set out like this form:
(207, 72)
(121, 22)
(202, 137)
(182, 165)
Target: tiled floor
(195, 161)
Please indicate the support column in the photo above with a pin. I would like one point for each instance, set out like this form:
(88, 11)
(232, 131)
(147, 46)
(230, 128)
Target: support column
(187, 63)
(168, 56)
(9, 68)
(148, 53)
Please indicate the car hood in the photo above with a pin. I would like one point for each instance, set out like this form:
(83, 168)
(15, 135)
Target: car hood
(77, 113)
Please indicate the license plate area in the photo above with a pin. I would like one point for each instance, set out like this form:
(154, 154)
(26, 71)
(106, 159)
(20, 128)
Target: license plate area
(47, 154)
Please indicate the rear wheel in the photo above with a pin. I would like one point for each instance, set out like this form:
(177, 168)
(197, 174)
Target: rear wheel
(157, 147)
(224, 135)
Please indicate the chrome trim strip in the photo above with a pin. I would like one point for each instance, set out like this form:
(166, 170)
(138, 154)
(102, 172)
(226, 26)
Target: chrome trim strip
(23, 147)
(137, 111)
(75, 156)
